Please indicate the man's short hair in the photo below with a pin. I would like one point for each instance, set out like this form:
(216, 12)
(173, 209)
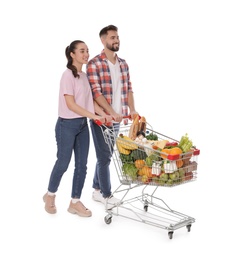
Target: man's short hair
(105, 30)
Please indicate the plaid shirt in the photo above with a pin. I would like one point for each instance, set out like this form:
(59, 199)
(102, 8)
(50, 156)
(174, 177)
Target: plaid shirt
(98, 74)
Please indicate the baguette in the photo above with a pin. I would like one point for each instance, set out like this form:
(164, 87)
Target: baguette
(134, 128)
(142, 125)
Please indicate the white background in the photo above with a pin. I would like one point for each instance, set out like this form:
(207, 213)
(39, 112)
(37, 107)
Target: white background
(186, 63)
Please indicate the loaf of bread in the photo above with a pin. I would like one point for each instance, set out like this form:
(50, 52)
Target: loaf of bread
(134, 128)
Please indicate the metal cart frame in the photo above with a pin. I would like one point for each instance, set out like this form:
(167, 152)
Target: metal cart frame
(147, 208)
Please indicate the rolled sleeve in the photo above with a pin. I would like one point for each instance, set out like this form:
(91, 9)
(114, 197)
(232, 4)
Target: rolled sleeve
(94, 79)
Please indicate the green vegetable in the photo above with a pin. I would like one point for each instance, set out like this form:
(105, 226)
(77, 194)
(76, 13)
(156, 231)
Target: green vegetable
(155, 157)
(149, 161)
(185, 143)
(130, 170)
(164, 177)
(152, 136)
(151, 158)
(138, 154)
(126, 158)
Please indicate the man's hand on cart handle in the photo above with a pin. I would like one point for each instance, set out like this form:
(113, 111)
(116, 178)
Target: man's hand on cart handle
(130, 116)
(99, 123)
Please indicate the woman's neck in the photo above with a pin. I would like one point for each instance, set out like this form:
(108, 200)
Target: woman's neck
(78, 67)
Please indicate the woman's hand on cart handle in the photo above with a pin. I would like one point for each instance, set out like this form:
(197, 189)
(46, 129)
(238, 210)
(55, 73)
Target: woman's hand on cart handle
(99, 120)
(106, 119)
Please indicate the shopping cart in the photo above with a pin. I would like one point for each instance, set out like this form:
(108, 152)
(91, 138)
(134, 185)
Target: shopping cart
(140, 163)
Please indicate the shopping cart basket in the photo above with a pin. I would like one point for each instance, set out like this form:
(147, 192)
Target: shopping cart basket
(141, 163)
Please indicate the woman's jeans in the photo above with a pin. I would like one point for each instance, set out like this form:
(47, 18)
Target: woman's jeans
(71, 135)
(101, 179)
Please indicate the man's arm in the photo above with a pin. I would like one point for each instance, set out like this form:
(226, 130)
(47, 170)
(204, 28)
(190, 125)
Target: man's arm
(105, 105)
(131, 104)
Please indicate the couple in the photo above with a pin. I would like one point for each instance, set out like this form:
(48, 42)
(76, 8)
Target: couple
(103, 93)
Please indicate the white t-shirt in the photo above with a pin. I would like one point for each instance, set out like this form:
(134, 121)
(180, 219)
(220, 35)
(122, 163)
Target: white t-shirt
(77, 87)
(116, 83)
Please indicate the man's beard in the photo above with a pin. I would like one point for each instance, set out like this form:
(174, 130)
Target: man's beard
(112, 48)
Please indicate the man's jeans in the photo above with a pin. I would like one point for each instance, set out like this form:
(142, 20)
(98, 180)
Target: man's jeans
(101, 179)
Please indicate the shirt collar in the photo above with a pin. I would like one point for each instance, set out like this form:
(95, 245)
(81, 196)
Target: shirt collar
(104, 57)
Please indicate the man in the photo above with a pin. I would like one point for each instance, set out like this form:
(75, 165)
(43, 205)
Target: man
(109, 78)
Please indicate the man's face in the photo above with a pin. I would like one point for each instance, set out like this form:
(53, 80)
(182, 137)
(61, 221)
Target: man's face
(111, 41)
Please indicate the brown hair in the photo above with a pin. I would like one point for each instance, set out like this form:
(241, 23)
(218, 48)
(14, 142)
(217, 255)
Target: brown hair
(71, 48)
(105, 30)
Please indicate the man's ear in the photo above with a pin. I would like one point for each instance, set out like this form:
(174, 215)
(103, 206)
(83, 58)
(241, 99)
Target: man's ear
(103, 39)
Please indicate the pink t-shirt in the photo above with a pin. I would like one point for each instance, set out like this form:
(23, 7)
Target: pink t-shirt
(77, 87)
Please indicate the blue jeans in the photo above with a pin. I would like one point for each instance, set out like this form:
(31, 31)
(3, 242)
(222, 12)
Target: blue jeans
(71, 135)
(104, 151)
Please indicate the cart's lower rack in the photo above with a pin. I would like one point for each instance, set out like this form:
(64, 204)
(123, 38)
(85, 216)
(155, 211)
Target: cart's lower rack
(150, 210)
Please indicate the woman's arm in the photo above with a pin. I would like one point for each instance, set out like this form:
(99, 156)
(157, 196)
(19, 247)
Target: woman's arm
(70, 101)
(99, 110)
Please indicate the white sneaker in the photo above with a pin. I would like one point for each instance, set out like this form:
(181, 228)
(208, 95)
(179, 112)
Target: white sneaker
(97, 196)
(108, 202)
(111, 202)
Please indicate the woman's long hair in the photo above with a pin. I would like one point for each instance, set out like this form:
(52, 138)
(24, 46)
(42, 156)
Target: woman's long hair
(71, 48)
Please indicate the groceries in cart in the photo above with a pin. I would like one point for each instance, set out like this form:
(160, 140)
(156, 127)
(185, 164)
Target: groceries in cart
(148, 157)
(142, 157)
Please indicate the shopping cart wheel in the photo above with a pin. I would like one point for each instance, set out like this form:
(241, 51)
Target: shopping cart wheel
(188, 227)
(146, 205)
(170, 234)
(108, 219)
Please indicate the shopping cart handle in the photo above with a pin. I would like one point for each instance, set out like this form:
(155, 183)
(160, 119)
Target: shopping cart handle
(98, 122)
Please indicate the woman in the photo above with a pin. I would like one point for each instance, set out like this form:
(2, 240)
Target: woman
(72, 133)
